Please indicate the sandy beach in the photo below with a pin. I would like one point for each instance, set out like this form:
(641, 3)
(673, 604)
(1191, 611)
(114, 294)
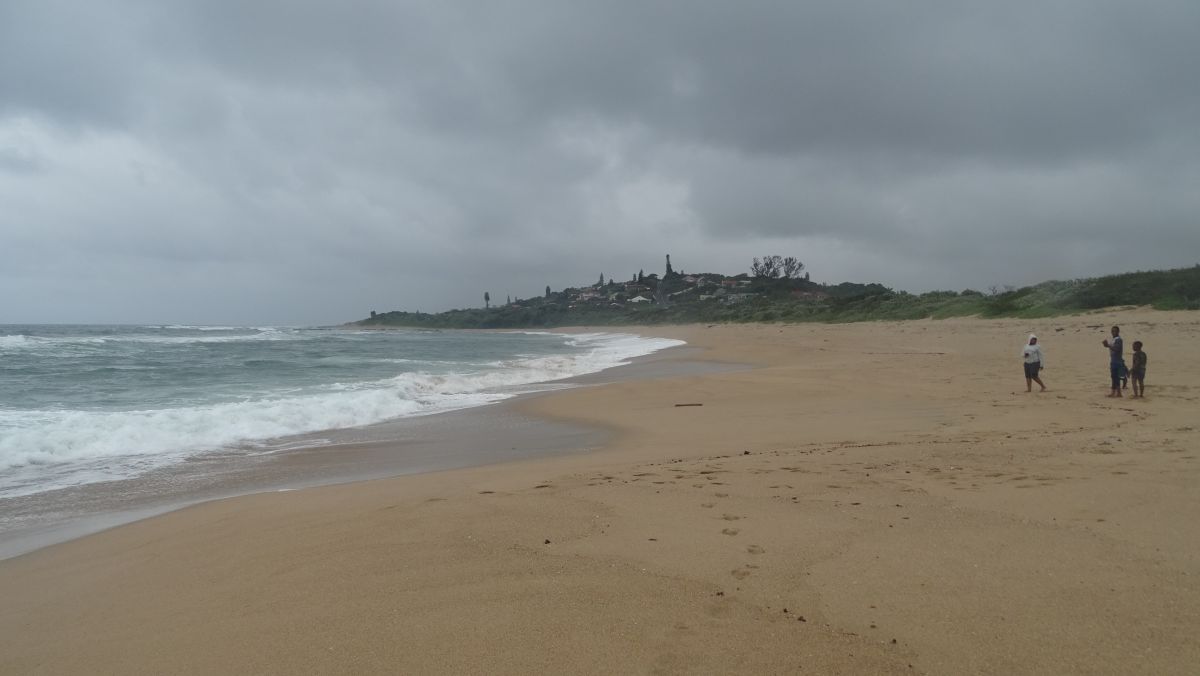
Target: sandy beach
(864, 498)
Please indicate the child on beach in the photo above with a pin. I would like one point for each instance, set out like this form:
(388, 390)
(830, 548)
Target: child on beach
(1138, 373)
(1034, 362)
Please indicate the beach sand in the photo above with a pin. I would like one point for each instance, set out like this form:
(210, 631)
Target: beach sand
(868, 498)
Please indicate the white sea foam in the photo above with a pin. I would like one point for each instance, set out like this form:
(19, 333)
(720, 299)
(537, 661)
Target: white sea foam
(40, 450)
(22, 342)
(187, 327)
(14, 342)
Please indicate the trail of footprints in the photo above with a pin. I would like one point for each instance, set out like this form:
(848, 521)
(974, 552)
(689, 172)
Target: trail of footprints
(704, 474)
(710, 472)
(969, 475)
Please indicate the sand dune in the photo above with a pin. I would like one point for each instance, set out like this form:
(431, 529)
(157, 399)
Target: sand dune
(867, 498)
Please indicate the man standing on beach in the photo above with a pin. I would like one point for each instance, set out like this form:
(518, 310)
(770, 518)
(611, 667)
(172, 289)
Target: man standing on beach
(1116, 360)
(1034, 362)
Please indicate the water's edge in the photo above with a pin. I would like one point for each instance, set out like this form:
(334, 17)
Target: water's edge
(485, 435)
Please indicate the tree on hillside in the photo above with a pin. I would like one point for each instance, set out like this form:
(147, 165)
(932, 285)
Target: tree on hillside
(547, 290)
(770, 267)
(601, 282)
(640, 276)
(487, 299)
(670, 272)
(774, 267)
(792, 268)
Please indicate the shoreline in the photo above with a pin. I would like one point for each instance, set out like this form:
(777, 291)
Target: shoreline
(448, 440)
(869, 498)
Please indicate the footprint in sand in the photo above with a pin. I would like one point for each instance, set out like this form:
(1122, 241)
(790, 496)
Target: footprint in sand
(707, 505)
(740, 573)
(730, 517)
(730, 531)
(755, 549)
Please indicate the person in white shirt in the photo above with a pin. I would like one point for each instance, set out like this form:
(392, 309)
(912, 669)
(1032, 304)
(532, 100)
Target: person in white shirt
(1035, 361)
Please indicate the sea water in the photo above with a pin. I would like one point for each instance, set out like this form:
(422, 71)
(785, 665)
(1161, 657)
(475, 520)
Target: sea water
(85, 404)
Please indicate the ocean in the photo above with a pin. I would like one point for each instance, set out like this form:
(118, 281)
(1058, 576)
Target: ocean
(81, 405)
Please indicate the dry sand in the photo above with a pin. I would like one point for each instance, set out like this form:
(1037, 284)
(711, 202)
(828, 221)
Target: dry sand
(871, 498)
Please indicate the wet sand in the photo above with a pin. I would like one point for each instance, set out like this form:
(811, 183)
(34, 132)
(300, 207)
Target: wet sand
(450, 440)
(464, 438)
(871, 498)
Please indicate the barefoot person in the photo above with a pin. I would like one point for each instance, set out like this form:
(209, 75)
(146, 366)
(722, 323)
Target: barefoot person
(1034, 362)
(1116, 360)
(1138, 373)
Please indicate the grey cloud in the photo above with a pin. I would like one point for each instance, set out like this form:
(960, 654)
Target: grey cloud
(70, 61)
(1042, 80)
(15, 161)
(953, 79)
(379, 145)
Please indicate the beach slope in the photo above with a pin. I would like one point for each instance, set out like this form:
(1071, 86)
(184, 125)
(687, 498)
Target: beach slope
(865, 498)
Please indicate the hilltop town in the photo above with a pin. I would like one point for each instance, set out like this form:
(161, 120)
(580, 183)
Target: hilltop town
(773, 273)
(642, 298)
(778, 288)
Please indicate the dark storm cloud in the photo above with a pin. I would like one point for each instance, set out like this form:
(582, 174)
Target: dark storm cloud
(353, 154)
(68, 60)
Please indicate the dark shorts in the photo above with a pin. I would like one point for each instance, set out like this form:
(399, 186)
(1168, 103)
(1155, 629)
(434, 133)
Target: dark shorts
(1137, 374)
(1031, 370)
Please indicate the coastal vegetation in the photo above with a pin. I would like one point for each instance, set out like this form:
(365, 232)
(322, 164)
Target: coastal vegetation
(778, 290)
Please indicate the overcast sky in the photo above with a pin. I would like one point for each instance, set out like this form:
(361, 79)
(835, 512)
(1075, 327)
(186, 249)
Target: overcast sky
(303, 162)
